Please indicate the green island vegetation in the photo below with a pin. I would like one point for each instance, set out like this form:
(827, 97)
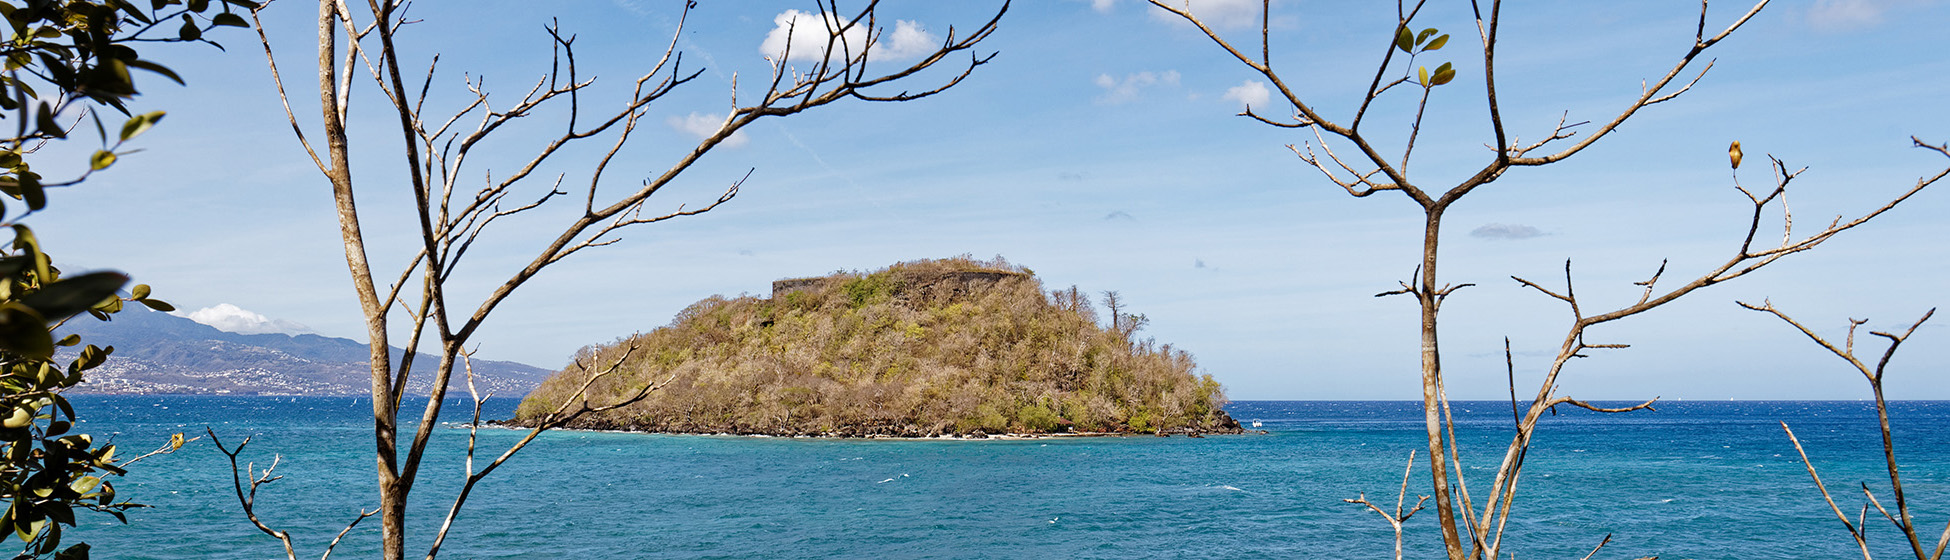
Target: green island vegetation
(919, 349)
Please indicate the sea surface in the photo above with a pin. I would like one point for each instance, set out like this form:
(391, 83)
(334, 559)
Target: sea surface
(1690, 480)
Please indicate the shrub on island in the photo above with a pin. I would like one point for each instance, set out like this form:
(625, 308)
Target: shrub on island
(919, 349)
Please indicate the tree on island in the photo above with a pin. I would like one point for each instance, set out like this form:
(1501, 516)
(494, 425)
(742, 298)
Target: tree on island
(65, 62)
(1124, 324)
(450, 215)
(1364, 163)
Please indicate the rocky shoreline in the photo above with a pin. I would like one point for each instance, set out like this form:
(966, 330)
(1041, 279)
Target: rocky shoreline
(1225, 425)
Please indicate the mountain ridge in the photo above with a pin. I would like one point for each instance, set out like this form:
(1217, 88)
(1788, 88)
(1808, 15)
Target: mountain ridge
(159, 353)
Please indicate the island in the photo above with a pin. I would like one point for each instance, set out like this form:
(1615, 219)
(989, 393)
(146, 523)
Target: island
(953, 347)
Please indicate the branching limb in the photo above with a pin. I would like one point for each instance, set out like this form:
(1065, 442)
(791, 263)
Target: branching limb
(1601, 546)
(1902, 519)
(1647, 405)
(176, 442)
(363, 514)
(1745, 260)
(1307, 115)
(248, 498)
(1396, 519)
(1651, 94)
(560, 416)
(1860, 541)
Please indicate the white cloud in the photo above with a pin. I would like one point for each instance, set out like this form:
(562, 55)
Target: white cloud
(230, 318)
(703, 126)
(1102, 6)
(1845, 15)
(1505, 231)
(1127, 89)
(908, 40)
(1215, 13)
(1252, 93)
(807, 34)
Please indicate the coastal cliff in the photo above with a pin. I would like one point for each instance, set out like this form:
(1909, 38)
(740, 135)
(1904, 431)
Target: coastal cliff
(919, 349)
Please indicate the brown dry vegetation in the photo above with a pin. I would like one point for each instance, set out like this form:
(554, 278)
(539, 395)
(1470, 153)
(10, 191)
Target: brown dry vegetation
(917, 349)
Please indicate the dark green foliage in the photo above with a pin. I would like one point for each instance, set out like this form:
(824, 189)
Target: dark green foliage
(63, 59)
(922, 348)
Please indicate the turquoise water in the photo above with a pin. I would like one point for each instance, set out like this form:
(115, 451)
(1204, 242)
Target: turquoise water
(1692, 480)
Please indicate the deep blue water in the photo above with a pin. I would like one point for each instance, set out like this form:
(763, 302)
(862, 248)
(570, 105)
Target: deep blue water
(1691, 480)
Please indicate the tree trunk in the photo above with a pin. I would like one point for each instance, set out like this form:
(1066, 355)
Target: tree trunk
(1431, 387)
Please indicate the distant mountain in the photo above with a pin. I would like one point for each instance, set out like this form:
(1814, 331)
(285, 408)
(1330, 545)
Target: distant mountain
(159, 353)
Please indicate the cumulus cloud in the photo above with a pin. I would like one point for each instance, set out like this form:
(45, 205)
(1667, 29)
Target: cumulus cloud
(806, 33)
(1216, 13)
(908, 40)
(1845, 15)
(1505, 231)
(1132, 85)
(230, 318)
(1252, 93)
(703, 125)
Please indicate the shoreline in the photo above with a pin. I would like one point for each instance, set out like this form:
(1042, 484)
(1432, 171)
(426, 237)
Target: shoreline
(854, 434)
(949, 437)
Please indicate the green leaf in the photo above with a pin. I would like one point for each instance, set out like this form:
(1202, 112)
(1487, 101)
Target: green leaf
(10, 266)
(130, 10)
(44, 119)
(157, 68)
(158, 305)
(139, 124)
(24, 240)
(77, 552)
(69, 296)
(1424, 76)
(1443, 74)
(1437, 43)
(189, 31)
(93, 356)
(1405, 40)
(140, 291)
(85, 484)
(243, 3)
(199, 6)
(230, 20)
(1424, 35)
(101, 160)
(66, 409)
(31, 191)
(69, 340)
(27, 529)
(17, 418)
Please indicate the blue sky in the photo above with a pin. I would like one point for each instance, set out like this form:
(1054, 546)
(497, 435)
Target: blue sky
(1100, 149)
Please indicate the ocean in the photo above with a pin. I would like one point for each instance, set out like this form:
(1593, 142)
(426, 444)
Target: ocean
(1690, 480)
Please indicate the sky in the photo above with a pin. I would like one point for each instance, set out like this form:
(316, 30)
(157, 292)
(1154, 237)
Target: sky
(1100, 148)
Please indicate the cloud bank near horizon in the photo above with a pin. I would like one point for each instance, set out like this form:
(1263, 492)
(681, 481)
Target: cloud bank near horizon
(230, 318)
